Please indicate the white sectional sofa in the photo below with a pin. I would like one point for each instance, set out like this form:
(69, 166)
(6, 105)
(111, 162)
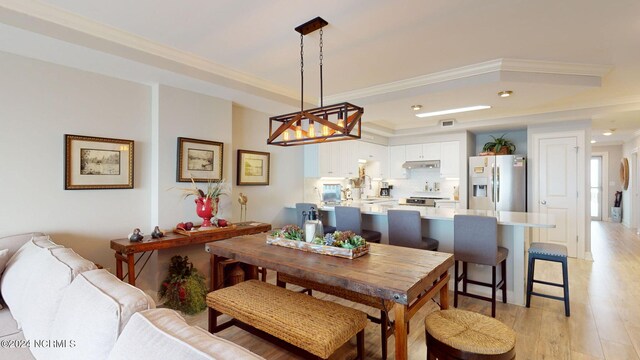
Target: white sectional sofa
(60, 306)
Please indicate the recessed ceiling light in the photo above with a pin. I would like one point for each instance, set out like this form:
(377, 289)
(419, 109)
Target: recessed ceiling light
(608, 132)
(505, 93)
(416, 107)
(453, 111)
(593, 141)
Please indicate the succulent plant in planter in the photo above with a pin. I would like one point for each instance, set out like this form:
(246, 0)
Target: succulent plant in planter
(499, 145)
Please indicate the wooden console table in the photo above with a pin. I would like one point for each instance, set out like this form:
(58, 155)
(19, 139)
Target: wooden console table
(126, 250)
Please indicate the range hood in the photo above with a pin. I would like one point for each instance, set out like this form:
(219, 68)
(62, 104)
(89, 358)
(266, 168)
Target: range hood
(424, 164)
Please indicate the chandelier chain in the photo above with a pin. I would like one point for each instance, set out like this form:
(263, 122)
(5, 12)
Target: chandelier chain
(301, 72)
(321, 86)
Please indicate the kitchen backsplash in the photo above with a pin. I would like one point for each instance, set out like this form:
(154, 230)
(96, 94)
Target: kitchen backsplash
(414, 186)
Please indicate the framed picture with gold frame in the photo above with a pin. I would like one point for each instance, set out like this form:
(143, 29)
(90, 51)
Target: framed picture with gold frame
(200, 160)
(97, 163)
(253, 167)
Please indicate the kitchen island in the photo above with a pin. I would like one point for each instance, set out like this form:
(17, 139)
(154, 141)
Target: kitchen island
(514, 230)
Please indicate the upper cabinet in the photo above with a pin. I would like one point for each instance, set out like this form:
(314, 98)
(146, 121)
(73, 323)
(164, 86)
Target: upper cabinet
(418, 152)
(340, 159)
(397, 157)
(450, 159)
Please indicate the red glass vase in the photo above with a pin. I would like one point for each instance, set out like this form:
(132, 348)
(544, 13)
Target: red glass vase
(204, 209)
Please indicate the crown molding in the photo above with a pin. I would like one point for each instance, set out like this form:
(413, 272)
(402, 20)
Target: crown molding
(31, 15)
(554, 67)
(513, 65)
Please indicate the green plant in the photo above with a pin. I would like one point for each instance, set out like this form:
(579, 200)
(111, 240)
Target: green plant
(214, 190)
(184, 288)
(343, 239)
(291, 232)
(498, 143)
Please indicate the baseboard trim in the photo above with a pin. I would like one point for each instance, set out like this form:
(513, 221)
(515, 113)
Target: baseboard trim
(588, 256)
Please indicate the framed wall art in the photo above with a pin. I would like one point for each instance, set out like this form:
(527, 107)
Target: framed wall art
(97, 163)
(253, 168)
(200, 160)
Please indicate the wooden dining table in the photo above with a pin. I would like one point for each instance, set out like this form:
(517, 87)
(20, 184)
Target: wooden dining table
(408, 277)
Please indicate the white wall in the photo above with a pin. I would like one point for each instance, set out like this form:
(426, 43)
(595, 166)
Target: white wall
(286, 185)
(629, 217)
(40, 102)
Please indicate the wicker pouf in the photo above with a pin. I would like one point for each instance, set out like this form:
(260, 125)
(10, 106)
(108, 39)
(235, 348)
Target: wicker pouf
(460, 334)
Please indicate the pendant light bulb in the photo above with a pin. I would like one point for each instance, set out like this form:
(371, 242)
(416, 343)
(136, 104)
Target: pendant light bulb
(285, 135)
(312, 130)
(325, 130)
(298, 132)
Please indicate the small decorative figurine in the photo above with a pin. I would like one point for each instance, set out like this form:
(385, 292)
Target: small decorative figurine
(157, 233)
(242, 199)
(136, 235)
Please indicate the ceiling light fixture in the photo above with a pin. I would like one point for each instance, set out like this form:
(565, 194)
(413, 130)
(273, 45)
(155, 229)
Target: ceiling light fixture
(453, 111)
(593, 141)
(338, 122)
(416, 107)
(609, 132)
(505, 93)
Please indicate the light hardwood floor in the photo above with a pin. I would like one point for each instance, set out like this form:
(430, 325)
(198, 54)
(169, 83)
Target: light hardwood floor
(604, 322)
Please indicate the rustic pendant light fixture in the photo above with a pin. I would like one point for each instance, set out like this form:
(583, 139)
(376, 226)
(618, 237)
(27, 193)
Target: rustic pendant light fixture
(323, 124)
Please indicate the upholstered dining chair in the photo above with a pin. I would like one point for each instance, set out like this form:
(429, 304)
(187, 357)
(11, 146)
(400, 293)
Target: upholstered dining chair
(300, 207)
(405, 229)
(475, 240)
(349, 219)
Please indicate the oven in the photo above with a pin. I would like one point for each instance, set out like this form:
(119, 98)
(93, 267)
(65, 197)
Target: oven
(419, 201)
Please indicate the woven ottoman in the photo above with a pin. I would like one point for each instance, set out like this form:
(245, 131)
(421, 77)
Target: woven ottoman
(460, 334)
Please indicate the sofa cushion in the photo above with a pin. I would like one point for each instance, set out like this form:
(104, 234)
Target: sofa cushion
(4, 258)
(8, 325)
(94, 310)
(20, 268)
(15, 242)
(21, 352)
(163, 334)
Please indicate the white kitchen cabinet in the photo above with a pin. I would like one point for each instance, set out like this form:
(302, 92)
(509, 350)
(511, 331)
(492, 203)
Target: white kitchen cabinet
(419, 152)
(335, 159)
(347, 158)
(377, 157)
(397, 157)
(450, 159)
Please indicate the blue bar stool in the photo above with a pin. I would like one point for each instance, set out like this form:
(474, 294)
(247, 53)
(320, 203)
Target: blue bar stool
(548, 252)
(349, 219)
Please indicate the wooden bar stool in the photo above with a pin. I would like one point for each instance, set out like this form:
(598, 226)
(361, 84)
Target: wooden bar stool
(460, 334)
(405, 229)
(548, 252)
(349, 219)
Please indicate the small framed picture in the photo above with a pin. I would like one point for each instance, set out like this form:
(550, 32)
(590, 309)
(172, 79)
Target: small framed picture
(253, 167)
(200, 160)
(97, 163)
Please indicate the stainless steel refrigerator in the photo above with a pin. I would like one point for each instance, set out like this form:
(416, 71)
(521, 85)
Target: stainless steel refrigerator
(498, 183)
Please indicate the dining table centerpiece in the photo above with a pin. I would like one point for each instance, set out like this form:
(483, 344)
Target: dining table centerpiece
(345, 244)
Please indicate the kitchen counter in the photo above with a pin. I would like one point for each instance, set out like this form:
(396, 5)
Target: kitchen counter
(534, 220)
(514, 232)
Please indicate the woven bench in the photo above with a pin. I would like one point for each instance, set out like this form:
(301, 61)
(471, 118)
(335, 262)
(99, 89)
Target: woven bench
(386, 327)
(282, 316)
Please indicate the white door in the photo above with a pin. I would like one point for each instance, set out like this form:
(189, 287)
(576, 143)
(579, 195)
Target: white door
(596, 188)
(397, 157)
(557, 190)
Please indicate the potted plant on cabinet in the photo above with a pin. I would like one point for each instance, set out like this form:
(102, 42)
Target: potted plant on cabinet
(499, 146)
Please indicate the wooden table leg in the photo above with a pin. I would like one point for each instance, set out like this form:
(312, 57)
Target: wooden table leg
(119, 265)
(214, 268)
(131, 262)
(402, 348)
(444, 293)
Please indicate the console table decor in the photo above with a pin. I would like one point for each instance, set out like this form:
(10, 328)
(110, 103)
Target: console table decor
(126, 250)
(198, 230)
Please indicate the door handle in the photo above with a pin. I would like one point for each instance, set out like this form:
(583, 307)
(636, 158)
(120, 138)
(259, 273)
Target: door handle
(543, 202)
